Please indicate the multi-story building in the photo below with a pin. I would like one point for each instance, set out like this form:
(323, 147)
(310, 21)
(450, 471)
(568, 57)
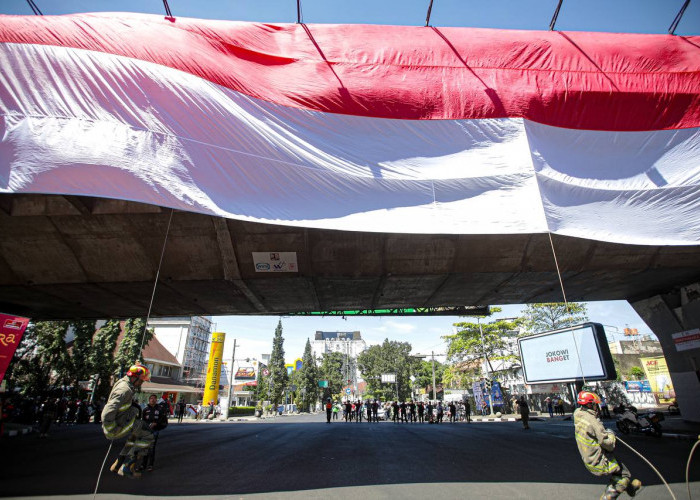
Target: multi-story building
(187, 338)
(347, 343)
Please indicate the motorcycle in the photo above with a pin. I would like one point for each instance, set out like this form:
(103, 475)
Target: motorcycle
(629, 420)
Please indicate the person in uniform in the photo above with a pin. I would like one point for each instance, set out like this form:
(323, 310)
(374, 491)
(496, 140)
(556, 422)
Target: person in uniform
(121, 417)
(596, 444)
(155, 418)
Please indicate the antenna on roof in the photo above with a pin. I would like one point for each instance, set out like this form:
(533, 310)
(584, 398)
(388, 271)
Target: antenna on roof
(427, 18)
(35, 9)
(298, 11)
(674, 24)
(167, 9)
(554, 17)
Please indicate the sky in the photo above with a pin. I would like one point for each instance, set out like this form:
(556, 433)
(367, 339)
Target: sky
(253, 334)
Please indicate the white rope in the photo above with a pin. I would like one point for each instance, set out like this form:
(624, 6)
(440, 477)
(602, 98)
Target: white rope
(99, 476)
(687, 467)
(650, 465)
(155, 282)
(566, 303)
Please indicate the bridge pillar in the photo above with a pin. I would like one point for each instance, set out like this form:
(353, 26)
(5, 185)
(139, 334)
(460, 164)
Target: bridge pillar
(671, 313)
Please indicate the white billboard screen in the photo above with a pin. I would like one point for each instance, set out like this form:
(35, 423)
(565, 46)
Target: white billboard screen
(567, 355)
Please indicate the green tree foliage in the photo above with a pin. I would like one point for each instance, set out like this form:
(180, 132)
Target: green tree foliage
(41, 362)
(278, 372)
(553, 315)
(424, 375)
(468, 342)
(636, 373)
(101, 358)
(389, 357)
(308, 379)
(82, 369)
(261, 386)
(331, 369)
(130, 349)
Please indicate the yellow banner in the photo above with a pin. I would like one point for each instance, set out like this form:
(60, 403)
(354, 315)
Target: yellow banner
(216, 353)
(659, 378)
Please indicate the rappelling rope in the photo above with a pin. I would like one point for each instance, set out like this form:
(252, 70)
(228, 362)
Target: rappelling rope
(99, 476)
(143, 336)
(650, 465)
(566, 303)
(687, 467)
(155, 282)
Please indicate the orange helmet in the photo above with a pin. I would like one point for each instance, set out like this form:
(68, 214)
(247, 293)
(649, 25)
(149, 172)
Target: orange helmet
(586, 397)
(140, 371)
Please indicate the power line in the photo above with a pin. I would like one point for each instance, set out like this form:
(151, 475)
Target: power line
(34, 8)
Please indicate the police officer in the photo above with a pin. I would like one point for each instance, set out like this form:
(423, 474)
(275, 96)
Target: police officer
(121, 418)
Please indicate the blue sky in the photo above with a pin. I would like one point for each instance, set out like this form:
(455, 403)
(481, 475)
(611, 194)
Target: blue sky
(254, 334)
(633, 16)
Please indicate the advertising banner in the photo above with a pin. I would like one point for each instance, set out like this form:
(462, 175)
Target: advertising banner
(638, 386)
(216, 352)
(478, 395)
(245, 373)
(11, 330)
(659, 378)
(496, 394)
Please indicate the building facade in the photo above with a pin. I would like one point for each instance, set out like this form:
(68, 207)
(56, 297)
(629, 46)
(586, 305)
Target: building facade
(187, 338)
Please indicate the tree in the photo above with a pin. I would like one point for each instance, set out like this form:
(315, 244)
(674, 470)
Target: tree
(424, 375)
(278, 372)
(43, 362)
(308, 378)
(389, 357)
(476, 340)
(136, 337)
(332, 370)
(554, 315)
(101, 358)
(81, 350)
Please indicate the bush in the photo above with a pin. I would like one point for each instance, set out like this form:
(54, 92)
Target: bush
(241, 411)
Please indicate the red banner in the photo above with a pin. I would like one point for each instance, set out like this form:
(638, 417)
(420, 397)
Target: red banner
(11, 331)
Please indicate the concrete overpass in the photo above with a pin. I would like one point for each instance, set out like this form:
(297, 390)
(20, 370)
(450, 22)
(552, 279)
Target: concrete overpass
(80, 257)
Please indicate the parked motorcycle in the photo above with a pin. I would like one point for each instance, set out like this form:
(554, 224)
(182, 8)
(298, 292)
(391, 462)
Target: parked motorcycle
(629, 420)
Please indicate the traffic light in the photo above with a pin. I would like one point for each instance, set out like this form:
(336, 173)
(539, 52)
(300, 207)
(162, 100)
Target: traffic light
(487, 384)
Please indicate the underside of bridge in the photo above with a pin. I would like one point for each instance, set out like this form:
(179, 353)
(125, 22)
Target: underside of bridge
(80, 257)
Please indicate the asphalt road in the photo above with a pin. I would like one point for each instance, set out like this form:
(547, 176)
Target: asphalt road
(304, 457)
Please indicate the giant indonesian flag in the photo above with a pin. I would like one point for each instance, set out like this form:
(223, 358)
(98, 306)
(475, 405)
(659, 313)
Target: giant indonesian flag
(351, 127)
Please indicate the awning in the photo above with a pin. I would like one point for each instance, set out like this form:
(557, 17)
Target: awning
(157, 388)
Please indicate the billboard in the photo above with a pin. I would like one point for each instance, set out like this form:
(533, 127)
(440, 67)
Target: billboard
(245, 373)
(576, 353)
(659, 378)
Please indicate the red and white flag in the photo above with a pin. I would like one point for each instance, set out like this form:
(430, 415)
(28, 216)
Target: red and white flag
(352, 127)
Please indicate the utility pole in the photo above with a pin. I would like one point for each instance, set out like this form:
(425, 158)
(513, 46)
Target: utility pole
(486, 365)
(231, 376)
(432, 353)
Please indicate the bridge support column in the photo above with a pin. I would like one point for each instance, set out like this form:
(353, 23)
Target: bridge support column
(671, 313)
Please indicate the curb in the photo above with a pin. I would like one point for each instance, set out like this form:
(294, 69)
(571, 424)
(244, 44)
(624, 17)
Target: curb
(690, 437)
(16, 432)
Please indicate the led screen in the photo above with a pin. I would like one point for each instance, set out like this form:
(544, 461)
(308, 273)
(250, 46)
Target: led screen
(573, 354)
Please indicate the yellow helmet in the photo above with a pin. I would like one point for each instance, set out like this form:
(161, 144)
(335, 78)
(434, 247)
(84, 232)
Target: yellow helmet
(140, 371)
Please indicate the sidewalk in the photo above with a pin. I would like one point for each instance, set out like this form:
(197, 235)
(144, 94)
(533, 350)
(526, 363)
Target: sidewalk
(673, 426)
